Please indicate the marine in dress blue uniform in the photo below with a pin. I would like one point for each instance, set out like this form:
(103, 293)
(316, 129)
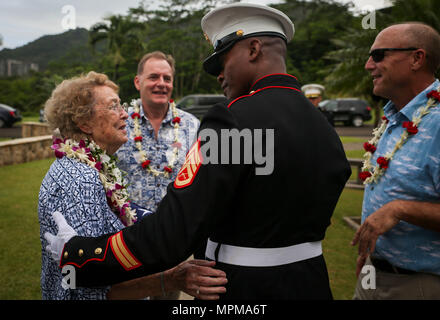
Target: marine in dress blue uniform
(264, 231)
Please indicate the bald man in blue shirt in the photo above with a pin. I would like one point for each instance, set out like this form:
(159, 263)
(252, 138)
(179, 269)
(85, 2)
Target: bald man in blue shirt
(400, 231)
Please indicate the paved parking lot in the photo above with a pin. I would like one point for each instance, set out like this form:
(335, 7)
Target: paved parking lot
(364, 131)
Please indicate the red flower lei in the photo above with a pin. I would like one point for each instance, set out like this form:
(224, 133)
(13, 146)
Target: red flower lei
(145, 163)
(369, 173)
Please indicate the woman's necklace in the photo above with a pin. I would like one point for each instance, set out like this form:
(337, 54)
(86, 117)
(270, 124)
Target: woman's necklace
(370, 173)
(145, 163)
(90, 153)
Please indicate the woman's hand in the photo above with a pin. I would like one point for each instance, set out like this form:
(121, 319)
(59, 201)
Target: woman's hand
(197, 278)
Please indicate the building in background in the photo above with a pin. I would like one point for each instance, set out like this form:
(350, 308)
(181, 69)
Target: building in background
(10, 68)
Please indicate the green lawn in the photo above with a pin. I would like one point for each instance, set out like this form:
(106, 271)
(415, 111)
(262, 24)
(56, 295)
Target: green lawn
(356, 154)
(30, 117)
(346, 139)
(339, 254)
(19, 230)
(20, 252)
(359, 154)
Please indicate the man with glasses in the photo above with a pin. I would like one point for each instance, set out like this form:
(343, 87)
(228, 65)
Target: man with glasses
(399, 239)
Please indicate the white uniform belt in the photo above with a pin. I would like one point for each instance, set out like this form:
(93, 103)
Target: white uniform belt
(263, 257)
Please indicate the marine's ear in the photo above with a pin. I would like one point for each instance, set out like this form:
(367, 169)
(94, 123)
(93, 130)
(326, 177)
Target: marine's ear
(254, 46)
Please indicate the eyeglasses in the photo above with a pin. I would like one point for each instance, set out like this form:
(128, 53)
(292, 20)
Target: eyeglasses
(118, 107)
(379, 54)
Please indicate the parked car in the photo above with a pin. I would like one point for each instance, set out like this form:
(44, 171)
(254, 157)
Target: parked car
(8, 115)
(350, 111)
(42, 116)
(199, 104)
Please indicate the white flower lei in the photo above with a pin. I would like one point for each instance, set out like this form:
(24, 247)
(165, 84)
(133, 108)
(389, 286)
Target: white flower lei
(373, 173)
(145, 163)
(90, 153)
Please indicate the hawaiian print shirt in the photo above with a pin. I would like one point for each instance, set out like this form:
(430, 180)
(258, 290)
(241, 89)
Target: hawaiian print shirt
(144, 188)
(74, 189)
(413, 174)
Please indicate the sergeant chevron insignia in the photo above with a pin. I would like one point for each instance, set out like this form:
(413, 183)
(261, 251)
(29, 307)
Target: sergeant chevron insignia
(189, 169)
(122, 253)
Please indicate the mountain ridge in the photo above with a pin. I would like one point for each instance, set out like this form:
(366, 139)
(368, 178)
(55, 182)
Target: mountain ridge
(49, 48)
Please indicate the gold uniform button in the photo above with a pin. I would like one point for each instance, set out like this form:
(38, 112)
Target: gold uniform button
(66, 254)
(98, 251)
(80, 252)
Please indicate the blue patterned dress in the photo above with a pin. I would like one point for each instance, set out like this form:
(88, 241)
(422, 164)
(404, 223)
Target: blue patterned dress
(74, 189)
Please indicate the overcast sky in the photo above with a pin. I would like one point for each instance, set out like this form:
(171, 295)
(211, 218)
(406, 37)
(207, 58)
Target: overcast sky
(22, 21)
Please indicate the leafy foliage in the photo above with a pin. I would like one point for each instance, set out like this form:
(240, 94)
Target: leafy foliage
(316, 24)
(346, 74)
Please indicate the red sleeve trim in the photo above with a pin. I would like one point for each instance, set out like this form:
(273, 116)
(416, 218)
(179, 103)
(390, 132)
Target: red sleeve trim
(120, 250)
(92, 259)
(61, 259)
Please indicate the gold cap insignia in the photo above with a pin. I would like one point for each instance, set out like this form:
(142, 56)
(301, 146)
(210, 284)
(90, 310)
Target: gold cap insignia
(207, 38)
(240, 33)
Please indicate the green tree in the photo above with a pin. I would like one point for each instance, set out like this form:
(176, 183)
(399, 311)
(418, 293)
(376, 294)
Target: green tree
(346, 75)
(427, 11)
(28, 94)
(174, 28)
(119, 32)
(316, 23)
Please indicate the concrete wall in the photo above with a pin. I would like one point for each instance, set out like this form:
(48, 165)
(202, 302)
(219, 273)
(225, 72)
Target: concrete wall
(34, 129)
(25, 150)
(34, 145)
